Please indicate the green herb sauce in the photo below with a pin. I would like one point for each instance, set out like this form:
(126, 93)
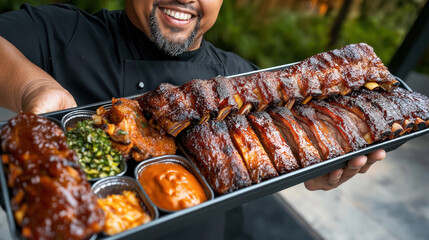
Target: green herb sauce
(96, 156)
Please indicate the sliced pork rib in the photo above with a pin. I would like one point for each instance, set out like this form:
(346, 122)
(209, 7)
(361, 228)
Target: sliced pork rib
(225, 93)
(342, 126)
(417, 105)
(169, 107)
(295, 136)
(367, 113)
(202, 98)
(251, 150)
(210, 147)
(318, 132)
(391, 112)
(275, 146)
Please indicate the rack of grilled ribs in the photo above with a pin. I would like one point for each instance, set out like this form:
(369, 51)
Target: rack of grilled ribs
(50, 196)
(210, 147)
(279, 140)
(332, 73)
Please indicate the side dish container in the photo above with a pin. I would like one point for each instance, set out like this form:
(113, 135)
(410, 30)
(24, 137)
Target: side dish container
(176, 159)
(69, 121)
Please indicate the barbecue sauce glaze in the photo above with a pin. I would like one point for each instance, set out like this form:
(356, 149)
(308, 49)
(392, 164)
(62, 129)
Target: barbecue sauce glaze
(50, 194)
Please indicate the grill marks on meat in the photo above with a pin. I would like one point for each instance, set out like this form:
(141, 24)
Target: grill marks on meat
(170, 107)
(319, 134)
(297, 139)
(367, 113)
(50, 194)
(278, 140)
(202, 98)
(274, 144)
(391, 112)
(332, 73)
(210, 147)
(418, 106)
(251, 150)
(344, 128)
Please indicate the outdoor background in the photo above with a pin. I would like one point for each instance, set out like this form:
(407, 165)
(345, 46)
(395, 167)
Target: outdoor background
(276, 32)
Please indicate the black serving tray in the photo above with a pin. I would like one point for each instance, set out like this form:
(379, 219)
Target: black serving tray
(175, 220)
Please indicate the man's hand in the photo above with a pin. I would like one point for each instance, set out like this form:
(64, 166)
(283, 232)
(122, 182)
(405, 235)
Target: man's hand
(26, 87)
(333, 179)
(42, 96)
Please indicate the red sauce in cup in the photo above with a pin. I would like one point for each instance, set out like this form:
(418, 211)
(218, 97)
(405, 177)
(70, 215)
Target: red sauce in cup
(171, 186)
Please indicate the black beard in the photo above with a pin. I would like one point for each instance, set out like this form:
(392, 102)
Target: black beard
(169, 47)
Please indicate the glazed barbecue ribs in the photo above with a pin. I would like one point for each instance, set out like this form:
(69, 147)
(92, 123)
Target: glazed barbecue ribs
(274, 144)
(332, 73)
(318, 132)
(210, 147)
(279, 121)
(278, 140)
(50, 194)
(258, 163)
(301, 146)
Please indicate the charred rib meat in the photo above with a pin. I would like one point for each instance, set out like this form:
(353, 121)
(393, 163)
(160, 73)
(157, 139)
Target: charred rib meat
(210, 147)
(332, 73)
(297, 139)
(50, 194)
(275, 146)
(250, 148)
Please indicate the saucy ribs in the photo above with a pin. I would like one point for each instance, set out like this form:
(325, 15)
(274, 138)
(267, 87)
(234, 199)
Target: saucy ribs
(50, 194)
(279, 140)
(210, 147)
(332, 73)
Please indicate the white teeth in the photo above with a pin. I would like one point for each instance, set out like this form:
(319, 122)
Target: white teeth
(177, 15)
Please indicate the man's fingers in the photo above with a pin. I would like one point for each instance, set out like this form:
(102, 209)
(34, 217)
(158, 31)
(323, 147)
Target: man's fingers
(357, 162)
(352, 168)
(377, 155)
(335, 176)
(373, 158)
(365, 168)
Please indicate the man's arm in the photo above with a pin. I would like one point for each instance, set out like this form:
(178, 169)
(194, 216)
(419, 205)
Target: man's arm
(26, 87)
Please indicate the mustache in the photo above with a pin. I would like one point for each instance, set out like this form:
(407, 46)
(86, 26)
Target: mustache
(179, 4)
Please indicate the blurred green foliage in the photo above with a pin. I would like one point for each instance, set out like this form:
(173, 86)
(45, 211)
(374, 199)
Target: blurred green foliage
(283, 35)
(88, 5)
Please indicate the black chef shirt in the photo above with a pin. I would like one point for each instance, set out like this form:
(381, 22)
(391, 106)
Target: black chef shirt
(103, 55)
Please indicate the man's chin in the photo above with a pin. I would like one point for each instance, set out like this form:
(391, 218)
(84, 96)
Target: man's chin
(173, 41)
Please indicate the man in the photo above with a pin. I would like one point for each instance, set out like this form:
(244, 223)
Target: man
(54, 56)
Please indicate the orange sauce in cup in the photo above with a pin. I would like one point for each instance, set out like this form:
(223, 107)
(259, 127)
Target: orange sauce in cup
(171, 187)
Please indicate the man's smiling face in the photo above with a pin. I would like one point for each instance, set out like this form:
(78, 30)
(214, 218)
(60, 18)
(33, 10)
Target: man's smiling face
(175, 26)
